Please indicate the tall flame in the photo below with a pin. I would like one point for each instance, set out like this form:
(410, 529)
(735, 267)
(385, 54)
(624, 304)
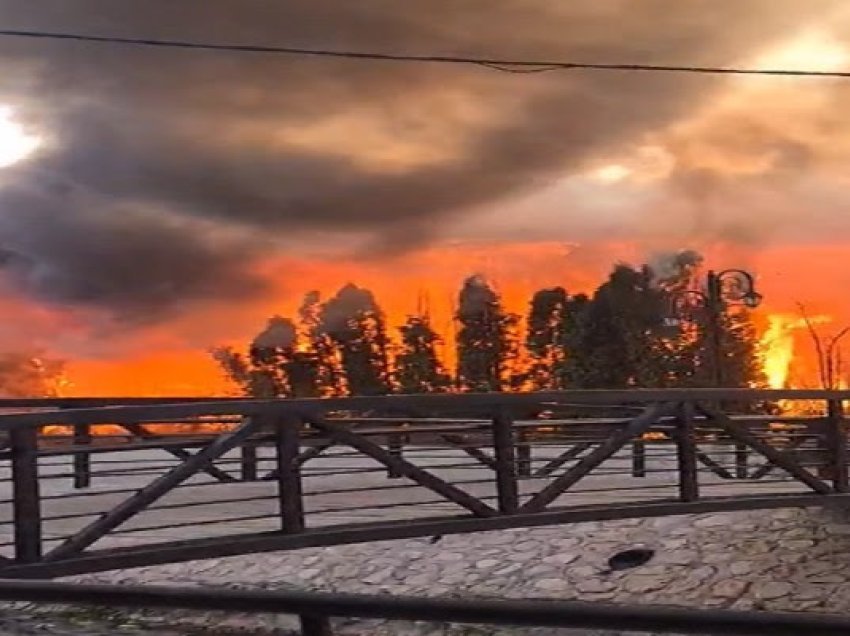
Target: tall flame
(777, 350)
(778, 344)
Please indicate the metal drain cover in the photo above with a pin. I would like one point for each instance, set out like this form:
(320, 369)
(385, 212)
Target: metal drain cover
(628, 559)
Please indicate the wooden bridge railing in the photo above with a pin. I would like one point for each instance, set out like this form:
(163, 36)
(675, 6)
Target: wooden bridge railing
(237, 476)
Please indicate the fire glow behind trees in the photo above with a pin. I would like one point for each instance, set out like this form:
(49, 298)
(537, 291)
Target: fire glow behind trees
(615, 338)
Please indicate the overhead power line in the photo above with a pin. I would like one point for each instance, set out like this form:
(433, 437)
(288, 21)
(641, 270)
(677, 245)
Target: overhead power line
(498, 64)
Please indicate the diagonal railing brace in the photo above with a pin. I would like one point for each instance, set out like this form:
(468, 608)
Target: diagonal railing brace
(400, 465)
(606, 449)
(153, 491)
(775, 456)
(180, 453)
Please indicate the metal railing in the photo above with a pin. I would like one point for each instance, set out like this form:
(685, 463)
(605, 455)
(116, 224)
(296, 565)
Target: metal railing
(316, 609)
(286, 474)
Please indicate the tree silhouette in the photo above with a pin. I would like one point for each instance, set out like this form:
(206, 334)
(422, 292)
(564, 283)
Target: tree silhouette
(612, 339)
(741, 362)
(484, 343)
(828, 352)
(418, 367)
(270, 353)
(275, 365)
(330, 379)
(355, 323)
(546, 338)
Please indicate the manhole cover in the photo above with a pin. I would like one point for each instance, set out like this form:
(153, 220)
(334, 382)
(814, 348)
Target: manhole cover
(628, 559)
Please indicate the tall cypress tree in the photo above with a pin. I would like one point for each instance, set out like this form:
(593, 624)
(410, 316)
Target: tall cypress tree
(269, 354)
(546, 338)
(680, 346)
(293, 365)
(739, 346)
(356, 325)
(417, 366)
(484, 340)
(325, 357)
(612, 341)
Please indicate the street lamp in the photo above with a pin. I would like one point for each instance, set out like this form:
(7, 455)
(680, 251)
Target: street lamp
(733, 287)
(730, 287)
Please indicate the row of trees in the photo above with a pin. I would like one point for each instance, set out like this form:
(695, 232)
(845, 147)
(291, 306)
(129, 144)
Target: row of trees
(620, 336)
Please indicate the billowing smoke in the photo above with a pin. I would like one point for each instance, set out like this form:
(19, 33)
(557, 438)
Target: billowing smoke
(26, 374)
(677, 266)
(476, 296)
(280, 333)
(168, 175)
(342, 310)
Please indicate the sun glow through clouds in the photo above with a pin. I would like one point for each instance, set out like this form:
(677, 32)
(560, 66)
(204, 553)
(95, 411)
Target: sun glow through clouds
(611, 174)
(809, 51)
(15, 143)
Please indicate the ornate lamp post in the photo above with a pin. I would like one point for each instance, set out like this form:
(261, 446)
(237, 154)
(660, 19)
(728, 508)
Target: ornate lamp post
(727, 288)
(723, 289)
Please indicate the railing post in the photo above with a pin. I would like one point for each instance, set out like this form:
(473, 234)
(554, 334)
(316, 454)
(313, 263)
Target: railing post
(837, 444)
(395, 447)
(523, 453)
(290, 496)
(686, 453)
(315, 626)
(82, 459)
(638, 458)
(26, 504)
(742, 470)
(506, 467)
(248, 462)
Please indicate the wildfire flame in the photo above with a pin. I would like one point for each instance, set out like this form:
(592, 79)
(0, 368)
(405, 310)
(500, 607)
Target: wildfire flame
(778, 346)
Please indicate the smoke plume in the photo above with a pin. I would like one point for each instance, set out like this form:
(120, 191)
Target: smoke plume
(280, 333)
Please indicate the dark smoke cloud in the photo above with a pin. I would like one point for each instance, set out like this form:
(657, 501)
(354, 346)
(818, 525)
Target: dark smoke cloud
(178, 167)
(72, 248)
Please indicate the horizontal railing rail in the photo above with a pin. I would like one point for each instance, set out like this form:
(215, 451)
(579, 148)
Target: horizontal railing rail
(316, 608)
(133, 409)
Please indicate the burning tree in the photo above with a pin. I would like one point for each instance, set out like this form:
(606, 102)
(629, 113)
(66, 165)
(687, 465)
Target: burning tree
(828, 352)
(330, 379)
(714, 341)
(356, 325)
(418, 367)
(485, 341)
(612, 341)
(546, 338)
(740, 361)
(276, 366)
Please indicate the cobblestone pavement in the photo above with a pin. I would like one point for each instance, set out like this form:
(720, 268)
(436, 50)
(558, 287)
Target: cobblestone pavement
(790, 559)
(14, 623)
